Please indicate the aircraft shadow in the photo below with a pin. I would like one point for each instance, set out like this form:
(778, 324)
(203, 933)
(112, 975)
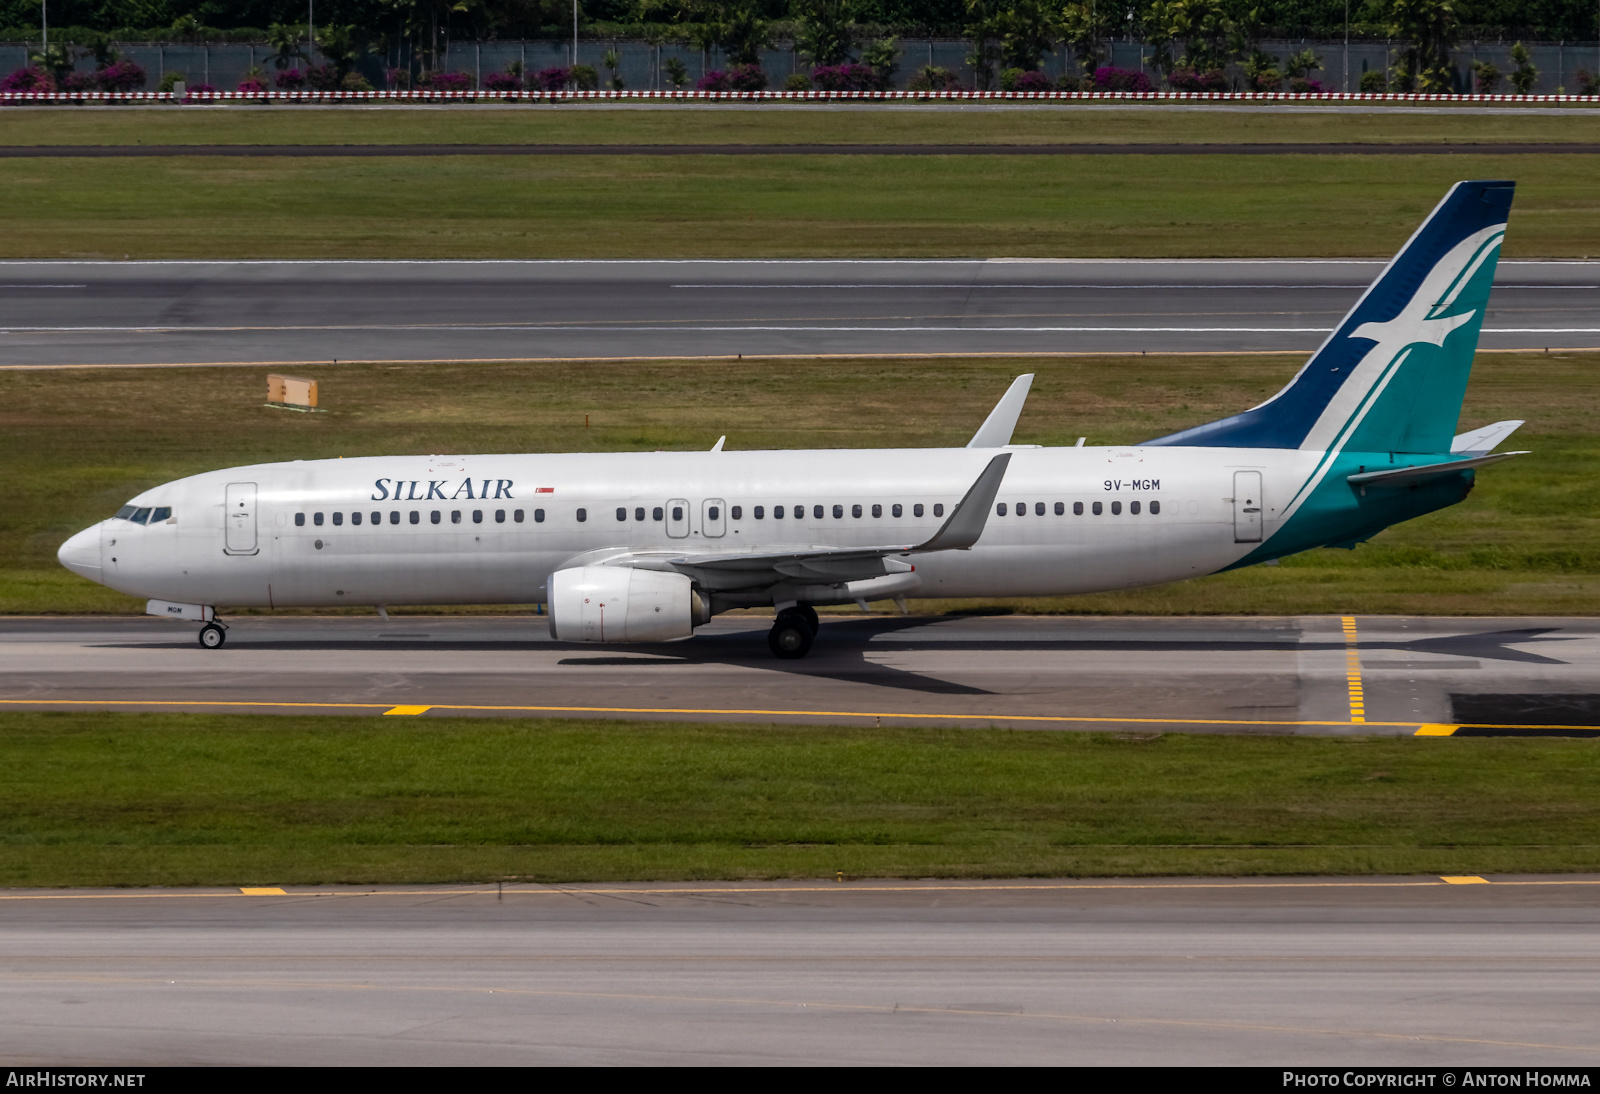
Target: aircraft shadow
(843, 648)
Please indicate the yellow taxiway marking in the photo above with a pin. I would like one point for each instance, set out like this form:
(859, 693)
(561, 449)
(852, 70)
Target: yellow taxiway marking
(1465, 879)
(1050, 719)
(1352, 670)
(261, 890)
(1436, 730)
(756, 889)
(407, 710)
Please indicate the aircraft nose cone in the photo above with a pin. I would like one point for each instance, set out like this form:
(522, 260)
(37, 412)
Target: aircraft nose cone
(81, 553)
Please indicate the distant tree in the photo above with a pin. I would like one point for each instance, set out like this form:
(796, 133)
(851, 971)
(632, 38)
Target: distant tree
(826, 33)
(1428, 29)
(285, 40)
(1084, 27)
(1028, 30)
(883, 58)
(985, 29)
(1526, 75)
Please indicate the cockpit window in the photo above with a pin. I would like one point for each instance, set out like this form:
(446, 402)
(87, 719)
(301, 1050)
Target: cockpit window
(125, 513)
(140, 516)
(161, 514)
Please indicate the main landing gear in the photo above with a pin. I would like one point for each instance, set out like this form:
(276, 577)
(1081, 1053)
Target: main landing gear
(793, 632)
(212, 635)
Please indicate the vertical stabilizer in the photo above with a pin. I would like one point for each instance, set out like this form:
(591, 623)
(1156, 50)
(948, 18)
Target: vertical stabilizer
(1391, 376)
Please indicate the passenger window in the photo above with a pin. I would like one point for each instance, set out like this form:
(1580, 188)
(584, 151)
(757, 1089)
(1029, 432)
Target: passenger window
(538, 516)
(338, 519)
(622, 513)
(1155, 508)
(316, 518)
(1038, 508)
(736, 512)
(1022, 508)
(499, 516)
(1116, 508)
(1133, 508)
(713, 513)
(377, 518)
(895, 509)
(777, 512)
(394, 516)
(1060, 509)
(434, 516)
(760, 512)
(638, 513)
(1077, 508)
(816, 512)
(477, 516)
(355, 518)
(299, 520)
(656, 513)
(1098, 509)
(164, 513)
(583, 515)
(455, 516)
(1000, 509)
(916, 510)
(938, 508)
(416, 517)
(855, 510)
(877, 510)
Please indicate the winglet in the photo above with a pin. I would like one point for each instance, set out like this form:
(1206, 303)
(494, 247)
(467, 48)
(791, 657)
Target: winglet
(718, 446)
(996, 430)
(971, 513)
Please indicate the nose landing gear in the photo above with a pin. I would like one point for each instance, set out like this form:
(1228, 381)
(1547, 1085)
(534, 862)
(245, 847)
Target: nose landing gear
(793, 632)
(212, 635)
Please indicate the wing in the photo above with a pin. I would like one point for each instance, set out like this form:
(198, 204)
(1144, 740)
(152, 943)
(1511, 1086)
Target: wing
(820, 564)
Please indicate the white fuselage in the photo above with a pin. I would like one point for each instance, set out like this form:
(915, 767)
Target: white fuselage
(444, 529)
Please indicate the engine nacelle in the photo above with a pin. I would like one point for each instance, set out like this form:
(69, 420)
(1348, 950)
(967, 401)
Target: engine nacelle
(621, 604)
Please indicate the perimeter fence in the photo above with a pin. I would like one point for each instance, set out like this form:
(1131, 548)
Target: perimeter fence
(645, 66)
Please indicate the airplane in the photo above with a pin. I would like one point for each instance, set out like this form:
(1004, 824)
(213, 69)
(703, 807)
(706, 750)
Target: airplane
(645, 547)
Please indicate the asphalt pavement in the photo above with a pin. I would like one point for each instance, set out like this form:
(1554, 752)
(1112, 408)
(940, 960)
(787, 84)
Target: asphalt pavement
(1345, 972)
(288, 313)
(1262, 675)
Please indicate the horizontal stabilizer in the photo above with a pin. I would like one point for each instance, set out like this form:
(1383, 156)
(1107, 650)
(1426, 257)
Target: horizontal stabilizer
(1486, 439)
(1406, 476)
(996, 430)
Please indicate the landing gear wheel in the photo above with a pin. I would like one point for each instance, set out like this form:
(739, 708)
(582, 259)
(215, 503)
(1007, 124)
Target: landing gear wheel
(212, 636)
(790, 638)
(809, 614)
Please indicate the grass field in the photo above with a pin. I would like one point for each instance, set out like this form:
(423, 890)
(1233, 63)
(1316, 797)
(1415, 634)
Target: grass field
(75, 445)
(771, 206)
(575, 124)
(144, 799)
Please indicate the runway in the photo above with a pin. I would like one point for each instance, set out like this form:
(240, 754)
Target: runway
(1267, 675)
(290, 313)
(1380, 972)
(366, 151)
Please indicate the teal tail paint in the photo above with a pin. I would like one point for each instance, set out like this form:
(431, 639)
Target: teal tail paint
(1385, 390)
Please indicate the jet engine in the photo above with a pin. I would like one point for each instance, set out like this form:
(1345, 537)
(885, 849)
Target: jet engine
(622, 604)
